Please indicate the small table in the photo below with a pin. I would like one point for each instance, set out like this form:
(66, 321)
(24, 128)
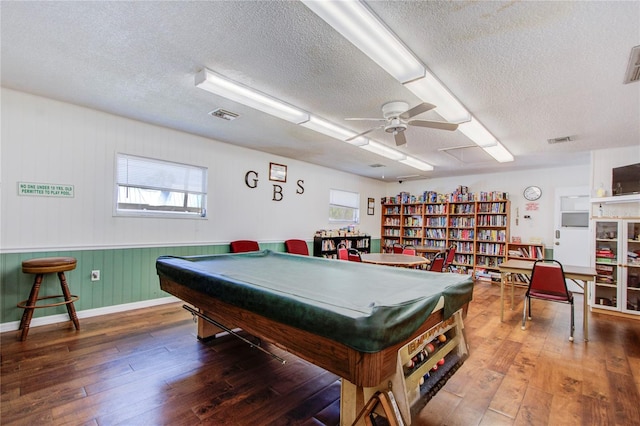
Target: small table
(393, 259)
(575, 273)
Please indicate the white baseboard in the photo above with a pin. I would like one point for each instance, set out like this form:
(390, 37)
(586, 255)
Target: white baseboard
(53, 319)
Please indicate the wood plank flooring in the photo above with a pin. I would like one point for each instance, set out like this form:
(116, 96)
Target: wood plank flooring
(146, 367)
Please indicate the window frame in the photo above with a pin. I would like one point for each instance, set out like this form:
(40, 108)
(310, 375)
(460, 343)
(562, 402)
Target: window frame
(356, 207)
(164, 211)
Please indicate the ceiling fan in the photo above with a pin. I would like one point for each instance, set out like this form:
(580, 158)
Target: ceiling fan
(398, 116)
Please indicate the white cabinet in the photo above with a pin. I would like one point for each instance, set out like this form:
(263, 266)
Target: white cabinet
(617, 263)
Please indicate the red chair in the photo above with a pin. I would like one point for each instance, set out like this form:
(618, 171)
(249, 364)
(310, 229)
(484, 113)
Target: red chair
(243, 246)
(343, 253)
(296, 247)
(409, 250)
(397, 248)
(548, 283)
(451, 254)
(353, 255)
(437, 263)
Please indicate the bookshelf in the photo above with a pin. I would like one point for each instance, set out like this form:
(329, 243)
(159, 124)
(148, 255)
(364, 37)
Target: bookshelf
(478, 225)
(524, 251)
(327, 246)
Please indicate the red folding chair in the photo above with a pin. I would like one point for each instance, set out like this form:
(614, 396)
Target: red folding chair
(353, 255)
(243, 246)
(409, 250)
(451, 254)
(437, 263)
(343, 253)
(548, 283)
(296, 247)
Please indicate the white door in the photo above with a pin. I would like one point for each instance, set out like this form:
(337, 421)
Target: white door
(571, 228)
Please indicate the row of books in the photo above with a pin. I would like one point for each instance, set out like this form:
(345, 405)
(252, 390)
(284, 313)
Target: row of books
(530, 252)
(492, 208)
(460, 194)
(492, 235)
(461, 234)
(492, 220)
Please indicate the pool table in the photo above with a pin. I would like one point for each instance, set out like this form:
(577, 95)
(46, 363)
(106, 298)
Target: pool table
(349, 318)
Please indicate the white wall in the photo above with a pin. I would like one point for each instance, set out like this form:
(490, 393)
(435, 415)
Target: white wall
(541, 224)
(46, 141)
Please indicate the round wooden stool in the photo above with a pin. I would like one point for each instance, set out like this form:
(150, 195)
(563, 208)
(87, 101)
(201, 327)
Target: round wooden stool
(40, 267)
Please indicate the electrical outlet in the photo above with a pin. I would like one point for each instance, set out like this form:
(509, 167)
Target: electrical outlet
(95, 275)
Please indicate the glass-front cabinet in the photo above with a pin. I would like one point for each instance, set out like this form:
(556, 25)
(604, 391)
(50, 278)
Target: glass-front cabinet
(617, 265)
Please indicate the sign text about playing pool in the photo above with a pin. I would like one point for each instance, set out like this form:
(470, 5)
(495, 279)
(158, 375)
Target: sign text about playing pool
(45, 189)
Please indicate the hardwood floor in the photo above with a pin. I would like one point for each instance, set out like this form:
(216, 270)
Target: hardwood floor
(146, 367)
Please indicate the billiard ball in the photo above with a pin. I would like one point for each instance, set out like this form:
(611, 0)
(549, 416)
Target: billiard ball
(441, 362)
(442, 338)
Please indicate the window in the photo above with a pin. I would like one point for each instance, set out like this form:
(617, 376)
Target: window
(344, 206)
(149, 187)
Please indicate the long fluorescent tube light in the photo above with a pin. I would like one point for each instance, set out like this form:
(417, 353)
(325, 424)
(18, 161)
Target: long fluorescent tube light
(323, 126)
(477, 133)
(363, 29)
(499, 152)
(219, 85)
(431, 90)
(417, 164)
(385, 151)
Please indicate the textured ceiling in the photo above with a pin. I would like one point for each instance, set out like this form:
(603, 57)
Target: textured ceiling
(529, 71)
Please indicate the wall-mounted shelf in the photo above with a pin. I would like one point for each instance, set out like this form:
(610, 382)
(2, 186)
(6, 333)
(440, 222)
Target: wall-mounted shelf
(617, 199)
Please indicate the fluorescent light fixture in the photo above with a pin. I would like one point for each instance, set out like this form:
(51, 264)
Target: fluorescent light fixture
(417, 164)
(431, 90)
(475, 131)
(358, 24)
(385, 151)
(499, 152)
(323, 126)
(219, 85)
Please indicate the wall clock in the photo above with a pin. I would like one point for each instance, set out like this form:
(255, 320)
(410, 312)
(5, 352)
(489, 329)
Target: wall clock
(532, 193)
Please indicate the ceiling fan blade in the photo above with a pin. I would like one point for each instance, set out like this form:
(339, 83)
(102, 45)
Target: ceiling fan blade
(433, 124)
(400, 138)
(366, 119)
(418, 109)
(364, 133)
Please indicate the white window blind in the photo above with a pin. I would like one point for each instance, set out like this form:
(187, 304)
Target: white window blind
(344, 206)
(150, 186)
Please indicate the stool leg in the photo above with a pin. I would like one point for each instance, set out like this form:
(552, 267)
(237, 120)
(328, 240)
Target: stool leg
(67, 297)
(28, 312)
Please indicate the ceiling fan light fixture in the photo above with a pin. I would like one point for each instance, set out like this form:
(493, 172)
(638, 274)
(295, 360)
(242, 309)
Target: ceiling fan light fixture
(358, 24)
(475, 131)
(320, 125)
(383, 150)
(417, 164)
(431, 90)
(499, 152)
(222, 86)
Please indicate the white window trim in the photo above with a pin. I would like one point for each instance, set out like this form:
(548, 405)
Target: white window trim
(158, 213)
(355, 206)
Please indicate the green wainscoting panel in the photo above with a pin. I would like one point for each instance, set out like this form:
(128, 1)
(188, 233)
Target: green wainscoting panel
(126, 276)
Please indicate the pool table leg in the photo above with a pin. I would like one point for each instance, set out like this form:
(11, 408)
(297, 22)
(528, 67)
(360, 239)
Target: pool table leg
(206, 330)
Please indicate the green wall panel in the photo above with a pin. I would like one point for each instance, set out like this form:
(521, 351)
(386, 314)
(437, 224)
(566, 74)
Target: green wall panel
(126, 276)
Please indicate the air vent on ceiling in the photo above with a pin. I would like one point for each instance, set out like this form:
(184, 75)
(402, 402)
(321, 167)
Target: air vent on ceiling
(376, 165)
(633, 69)
(560, 140)
(224, 114)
